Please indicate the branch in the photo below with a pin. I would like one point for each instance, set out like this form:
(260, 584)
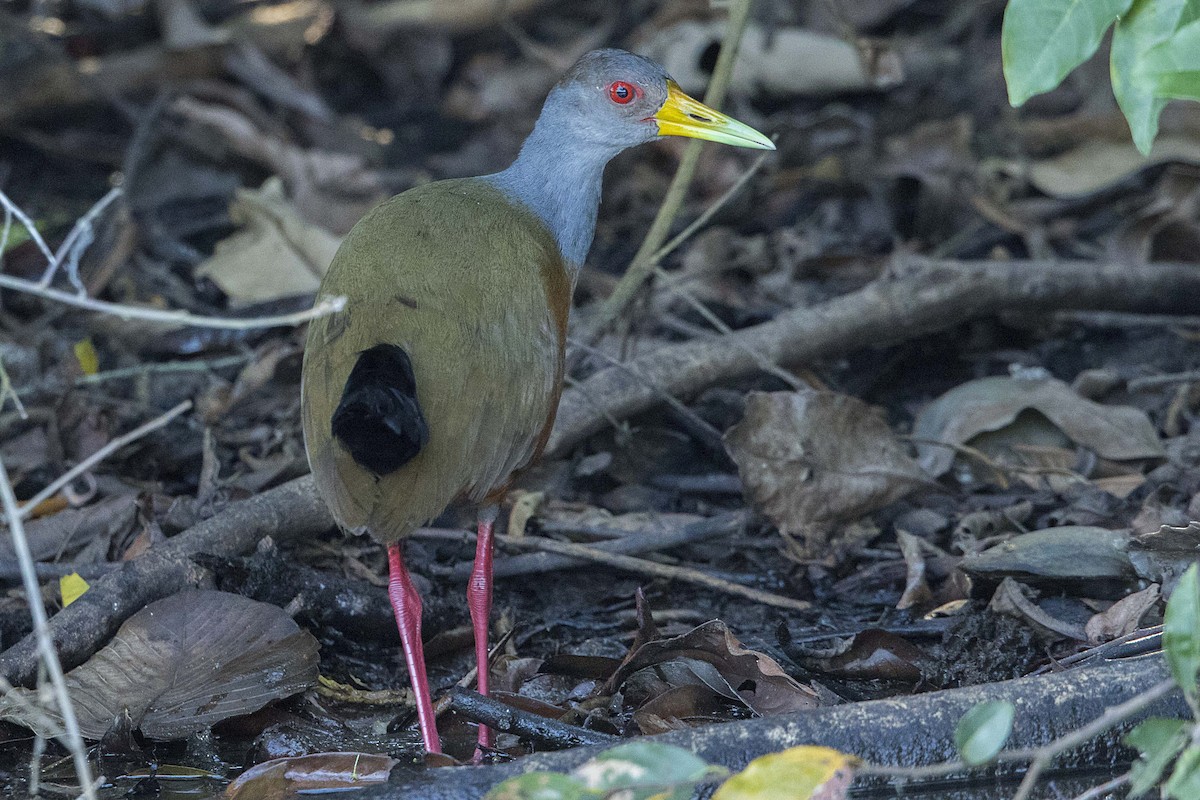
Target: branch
(912, 730)
(929, 296)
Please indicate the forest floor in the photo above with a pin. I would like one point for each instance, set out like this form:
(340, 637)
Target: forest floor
(956, 335)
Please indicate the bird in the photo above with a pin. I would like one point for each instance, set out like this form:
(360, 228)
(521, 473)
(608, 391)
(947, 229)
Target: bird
(439, 379)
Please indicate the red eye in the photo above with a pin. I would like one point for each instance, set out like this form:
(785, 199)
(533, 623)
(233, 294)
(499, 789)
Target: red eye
(622, 92)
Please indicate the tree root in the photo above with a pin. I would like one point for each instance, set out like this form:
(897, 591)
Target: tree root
(902, 731)
(922, 297)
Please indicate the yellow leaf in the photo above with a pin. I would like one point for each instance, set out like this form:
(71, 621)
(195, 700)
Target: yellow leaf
(85, 354)
(525, 505)
(798, 773)
(71, 587)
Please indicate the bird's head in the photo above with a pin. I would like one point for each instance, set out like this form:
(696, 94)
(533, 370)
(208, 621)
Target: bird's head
(615, 99)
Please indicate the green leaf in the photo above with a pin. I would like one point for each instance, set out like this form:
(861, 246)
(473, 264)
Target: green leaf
(1184, 783)
(1148, 24)
(983, 730)
(1043, 40)
(797, 773)
(542, 786)
(1158, 740)
(1181, 633)
(1179, 85)
(645, 770)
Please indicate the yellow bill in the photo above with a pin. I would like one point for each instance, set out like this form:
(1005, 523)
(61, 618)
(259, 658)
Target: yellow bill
(681, 115)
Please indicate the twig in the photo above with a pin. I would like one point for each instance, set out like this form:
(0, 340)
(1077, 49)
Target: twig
(33, 595)
(323, 307)
(11, 210)
(644, 260)
(98, 456)
(654, 569)
(702, 430)
(626, 542)
(1097, 792)
(1137, 384)
(679, 290)
(137, 371)
(502, 717)
(708, 213)
(7, 391)
(627, 563)
(78, 240)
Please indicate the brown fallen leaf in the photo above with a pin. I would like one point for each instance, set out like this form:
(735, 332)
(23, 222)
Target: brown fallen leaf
(1010, 599)
(916, 588)
(876, 654)
(182, 664)
(1071, 557)
(275, 253)
(1098, 163)
(988, 405)
(755, 679)
(813, 458)
(283, 778)
(1123, 616)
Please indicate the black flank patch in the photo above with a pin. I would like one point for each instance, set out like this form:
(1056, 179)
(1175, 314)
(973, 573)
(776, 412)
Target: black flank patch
(379, 421)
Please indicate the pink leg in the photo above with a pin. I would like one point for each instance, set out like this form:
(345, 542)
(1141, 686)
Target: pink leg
(406, 605)
(479, 599)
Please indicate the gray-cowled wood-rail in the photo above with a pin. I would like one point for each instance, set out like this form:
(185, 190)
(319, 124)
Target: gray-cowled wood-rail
(440, 379)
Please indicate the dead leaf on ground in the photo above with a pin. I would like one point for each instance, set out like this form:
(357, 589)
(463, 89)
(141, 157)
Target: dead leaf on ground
(710, 655)
(1071, 557)
(1099, 163)
(991, 405)
(275, 254)
(184, 663)
(810, 458)
(876, 654)
(781, 62)
(1123, 616)
(283, 778)
(1009, 598)
(916, 588)
(64, 533)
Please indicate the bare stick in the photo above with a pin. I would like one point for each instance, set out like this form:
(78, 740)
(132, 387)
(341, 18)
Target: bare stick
(652, 568)
(709, 212)
(12, 210)
(644, 260)
(78, 240)
(101, 454)
(324, 307)
(678, 289)
(7, 391)
(73, 740)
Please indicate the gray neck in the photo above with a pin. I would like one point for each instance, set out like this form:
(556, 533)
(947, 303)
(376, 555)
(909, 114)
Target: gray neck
(557, 176)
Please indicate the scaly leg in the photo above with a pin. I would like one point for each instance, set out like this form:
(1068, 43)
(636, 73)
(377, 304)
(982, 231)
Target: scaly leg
(479, 599)
(406, 605)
